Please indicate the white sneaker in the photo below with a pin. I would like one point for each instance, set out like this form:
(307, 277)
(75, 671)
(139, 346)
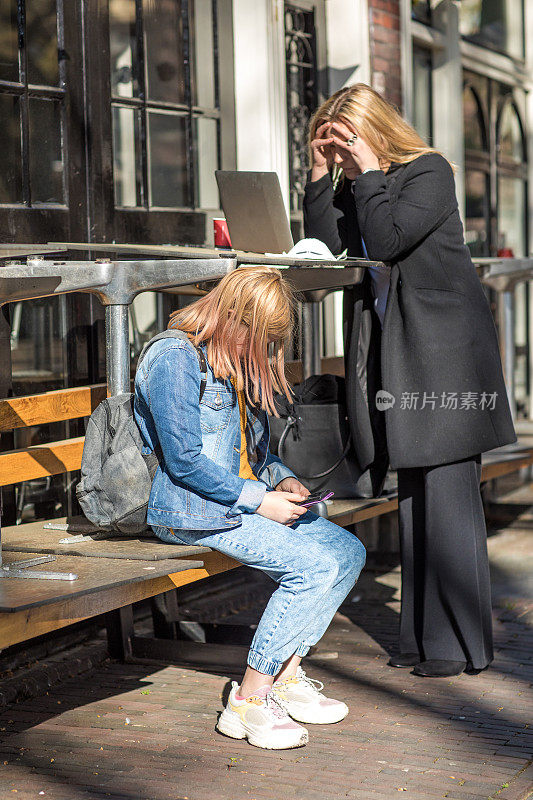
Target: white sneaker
(305, 702)
(261, 719)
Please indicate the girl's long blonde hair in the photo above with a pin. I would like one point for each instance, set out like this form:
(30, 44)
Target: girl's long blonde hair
(377, 121)
(259, 299)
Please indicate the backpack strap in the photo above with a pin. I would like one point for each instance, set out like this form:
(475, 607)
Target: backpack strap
(176, 333)
(203, 370)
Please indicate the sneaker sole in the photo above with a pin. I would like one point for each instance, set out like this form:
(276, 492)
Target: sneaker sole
(230, 724)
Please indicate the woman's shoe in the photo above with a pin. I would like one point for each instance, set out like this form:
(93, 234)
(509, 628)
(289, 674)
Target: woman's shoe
(404, 660)
(436, 668)
(304, 701)
(261, 719)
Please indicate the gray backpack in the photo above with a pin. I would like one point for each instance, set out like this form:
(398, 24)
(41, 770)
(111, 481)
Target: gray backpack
(115, 477)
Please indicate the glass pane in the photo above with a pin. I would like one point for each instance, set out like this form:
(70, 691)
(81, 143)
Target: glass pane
(41, 42)
(164, 52)
(123, 47)
(9, 70)
(127, 165)
(511, 216)
(510, 135)
(302, 99)
(46, 161)
(205, 135)
(204, 48)
(422, 92)
(169, 182)
(473, 123)
(499, 25)
(476, 212)
(38, 336)
(420, 9)
(10, 152)
(37, 345)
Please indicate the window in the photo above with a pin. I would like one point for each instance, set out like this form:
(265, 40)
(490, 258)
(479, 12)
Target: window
(477, 166)
(496, 25)
(302, 99)
(475, 132)
(421, 10)
(165, 107)
(32, 105)
(510, 160)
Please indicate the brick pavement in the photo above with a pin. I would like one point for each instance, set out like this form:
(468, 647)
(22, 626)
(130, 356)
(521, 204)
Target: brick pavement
(146, 732)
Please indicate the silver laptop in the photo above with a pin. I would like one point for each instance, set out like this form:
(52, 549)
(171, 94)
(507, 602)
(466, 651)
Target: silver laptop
(253, 206)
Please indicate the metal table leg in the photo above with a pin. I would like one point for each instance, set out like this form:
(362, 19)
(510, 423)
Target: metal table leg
(117, 346)
(311, 339)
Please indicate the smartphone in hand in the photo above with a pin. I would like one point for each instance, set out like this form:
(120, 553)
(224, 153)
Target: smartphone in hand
(316, 497)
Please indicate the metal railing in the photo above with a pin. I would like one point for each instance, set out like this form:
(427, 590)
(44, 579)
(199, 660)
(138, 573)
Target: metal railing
(503, 275)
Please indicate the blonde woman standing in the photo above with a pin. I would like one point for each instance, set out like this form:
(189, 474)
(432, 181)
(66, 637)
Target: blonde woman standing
(219, 486)
(425, 387)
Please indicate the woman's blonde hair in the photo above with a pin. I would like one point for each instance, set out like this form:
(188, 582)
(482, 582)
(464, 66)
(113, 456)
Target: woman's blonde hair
(376, 120)
(262, 301)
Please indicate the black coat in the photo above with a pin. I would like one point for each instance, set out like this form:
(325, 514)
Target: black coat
(438, 337)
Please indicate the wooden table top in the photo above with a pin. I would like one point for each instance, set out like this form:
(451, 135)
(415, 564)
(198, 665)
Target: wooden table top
(34, 538)
(94, 575)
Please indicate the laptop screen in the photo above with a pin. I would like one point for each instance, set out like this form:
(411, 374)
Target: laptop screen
(255, 212)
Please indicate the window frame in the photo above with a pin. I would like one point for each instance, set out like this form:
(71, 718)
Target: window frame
(183, 225)
(41, 222)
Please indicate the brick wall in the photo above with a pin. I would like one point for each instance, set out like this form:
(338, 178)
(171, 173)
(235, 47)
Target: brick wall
(384, 22)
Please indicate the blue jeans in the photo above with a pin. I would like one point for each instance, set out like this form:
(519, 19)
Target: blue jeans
(315, 563)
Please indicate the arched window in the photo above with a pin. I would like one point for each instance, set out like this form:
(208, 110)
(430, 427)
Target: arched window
(510, 135)
(512, 240)
(475, 130)
(477, 166)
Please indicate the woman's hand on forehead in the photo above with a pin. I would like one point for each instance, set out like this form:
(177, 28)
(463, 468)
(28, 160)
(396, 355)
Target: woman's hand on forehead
(342, 130)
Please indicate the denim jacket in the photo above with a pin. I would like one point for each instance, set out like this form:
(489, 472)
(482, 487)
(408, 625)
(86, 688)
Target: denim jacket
(197, 484)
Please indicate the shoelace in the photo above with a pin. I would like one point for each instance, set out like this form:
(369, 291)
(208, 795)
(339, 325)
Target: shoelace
(301, 676)
(310, 681)
(272, 704)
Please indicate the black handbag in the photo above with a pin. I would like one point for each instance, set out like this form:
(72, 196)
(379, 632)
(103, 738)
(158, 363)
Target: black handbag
(312, 437)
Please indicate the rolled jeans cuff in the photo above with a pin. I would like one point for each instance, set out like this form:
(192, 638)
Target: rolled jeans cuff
(267, 666)
(302, 650)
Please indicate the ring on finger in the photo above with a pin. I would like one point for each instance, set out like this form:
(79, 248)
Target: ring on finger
(352, 139)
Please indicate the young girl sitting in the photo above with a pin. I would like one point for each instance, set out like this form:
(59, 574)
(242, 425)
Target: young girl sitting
(219, 486)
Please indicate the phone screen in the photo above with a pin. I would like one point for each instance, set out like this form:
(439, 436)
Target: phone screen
(316, 497)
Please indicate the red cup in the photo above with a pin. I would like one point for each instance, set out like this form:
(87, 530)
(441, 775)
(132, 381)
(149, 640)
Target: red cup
(220, 228)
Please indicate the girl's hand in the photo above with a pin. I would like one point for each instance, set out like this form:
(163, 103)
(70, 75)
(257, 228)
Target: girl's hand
(281, 507)
(359, 152)
(292, 485)
(321, 152)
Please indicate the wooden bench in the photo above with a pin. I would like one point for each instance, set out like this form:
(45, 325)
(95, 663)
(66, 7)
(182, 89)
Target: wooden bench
(112, 574)
(115, 573)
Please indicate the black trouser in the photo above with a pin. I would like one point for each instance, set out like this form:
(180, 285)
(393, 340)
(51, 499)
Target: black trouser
(446, 602)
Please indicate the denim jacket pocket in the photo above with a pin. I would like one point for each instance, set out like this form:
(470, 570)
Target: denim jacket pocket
(215, 408)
